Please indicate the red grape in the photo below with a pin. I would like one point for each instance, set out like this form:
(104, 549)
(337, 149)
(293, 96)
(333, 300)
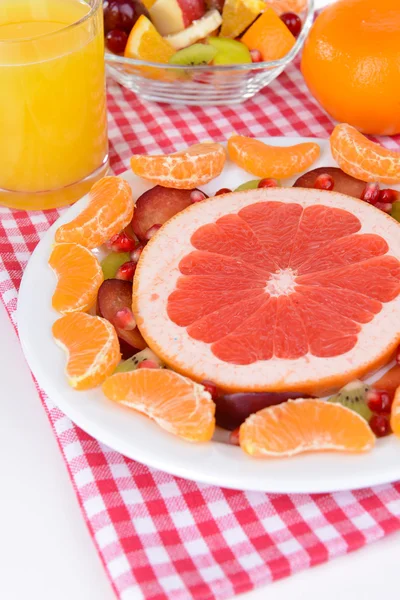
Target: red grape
(292, 22)
(380, 425)
(122, 14)
(116, 41)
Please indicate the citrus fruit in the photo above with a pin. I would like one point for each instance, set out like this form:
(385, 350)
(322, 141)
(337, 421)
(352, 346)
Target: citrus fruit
(263, 160)
(355, 76)
(358, 156)
(395, 416)
(177, 404)
(390, 381)
(92, 347)
(109, 210)
(304, 425)
(79, 276)
(274, 289)
(283, 6)
(146, 43)
(237, 15)
(270, 36)
(186, 170)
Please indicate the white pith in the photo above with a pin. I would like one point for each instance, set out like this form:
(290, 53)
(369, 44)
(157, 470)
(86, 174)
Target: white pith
(281, 283)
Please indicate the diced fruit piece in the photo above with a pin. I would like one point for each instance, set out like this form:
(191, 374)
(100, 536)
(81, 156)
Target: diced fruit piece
(115, 295)
(234, 437)
(283, 6)
(79, 277)
(248, 185)
(92, 347)
(379, 401)
(395, 414)
(380, 425)
(146, 43)
(148, 364)
(122, 14)
(116, 41)
(197, 196)
(292, 22)
(268, 183)
(324, 182)
(134, 361)
(270, 36)
(304, 425)
(256, 56)
(223, 191)
(229, 52)
(152, 232)
(112, 262)
(124, 319)
(197, 54)
(371, 193)
(176, 403)
(197, 31)
(110, 209)
(233, 409)
(354, 396)
(211, 388)
(135, 255)
(385, 207)
(390, 381)
(172, 16)
(121, 243)
(237, 15)
(360, 157)
(126, 271)
(389, 195)
(186, 170)
(342, 183)
(263, 160)
(156, 206)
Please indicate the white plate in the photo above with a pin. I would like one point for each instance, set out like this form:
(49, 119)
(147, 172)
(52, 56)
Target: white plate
(137, 437)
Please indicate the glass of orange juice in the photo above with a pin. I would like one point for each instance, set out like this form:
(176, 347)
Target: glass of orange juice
(53, 119)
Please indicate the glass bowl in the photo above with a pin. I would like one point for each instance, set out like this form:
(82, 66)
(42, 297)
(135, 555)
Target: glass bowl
(203, 85)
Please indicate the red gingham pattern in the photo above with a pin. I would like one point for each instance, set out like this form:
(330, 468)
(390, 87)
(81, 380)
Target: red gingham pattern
(161, 537)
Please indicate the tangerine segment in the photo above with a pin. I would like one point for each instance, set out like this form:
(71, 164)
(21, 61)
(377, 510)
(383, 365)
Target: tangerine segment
(395, 416)
(304, 425)
(110, 209)
(79, 277)
(270, 36)
(356, 155)
(263, 160)
(92, 347)
(177, 404)
(187, 169)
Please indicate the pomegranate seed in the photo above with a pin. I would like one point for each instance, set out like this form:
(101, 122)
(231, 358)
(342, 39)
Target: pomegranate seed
(324, 182)
(152, 231)
(124, 319)
(398, 355)
(197, 196)
(292, 22)
(380, 425)
(389, 195)
(126, 271)
(268, 183)
(256, 56)
(379, 401)
(135, 255)
(234, 437)
(148, 364)
(223, 191)
(371, 193)
(121, 243)
(384, 206)
(211, 388)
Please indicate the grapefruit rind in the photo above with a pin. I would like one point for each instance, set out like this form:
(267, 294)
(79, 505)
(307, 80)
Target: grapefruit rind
(158, 271)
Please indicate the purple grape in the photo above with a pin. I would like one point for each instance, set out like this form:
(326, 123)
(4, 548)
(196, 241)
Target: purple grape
(122, 14)
(116, 41)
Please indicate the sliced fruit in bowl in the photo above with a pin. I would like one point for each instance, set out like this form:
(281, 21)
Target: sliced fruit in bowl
(172, 16)
(197, 31)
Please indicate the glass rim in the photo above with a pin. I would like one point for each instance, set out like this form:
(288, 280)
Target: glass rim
(44, 36)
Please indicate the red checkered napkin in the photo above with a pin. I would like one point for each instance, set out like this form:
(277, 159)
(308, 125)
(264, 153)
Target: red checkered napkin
(161, 537)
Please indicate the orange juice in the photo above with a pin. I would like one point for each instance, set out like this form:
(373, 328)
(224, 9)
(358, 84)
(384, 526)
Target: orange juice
(53, 131)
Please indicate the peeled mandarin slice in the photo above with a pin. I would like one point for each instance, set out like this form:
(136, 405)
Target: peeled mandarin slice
(110, 209)
(263, 160)
(177, 404)
(395, 416)
(92, 347)
(270, 36)
(304, 425)
(146, 43)
(356, 155)
(79, 277)
(187, 169)
(237, 15)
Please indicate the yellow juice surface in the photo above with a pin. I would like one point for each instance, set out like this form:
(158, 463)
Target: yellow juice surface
(53, 128)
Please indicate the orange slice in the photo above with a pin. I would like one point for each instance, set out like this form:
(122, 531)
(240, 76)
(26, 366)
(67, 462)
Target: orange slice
(146, 43)
(395, 416)
(270, 36)
(237, 15)
(92, 347)
(177, 404)
(110, 209)
(304, 425)
(263, 160)
(79, 277)
(283, 6)
(356, 155)
(186, 170)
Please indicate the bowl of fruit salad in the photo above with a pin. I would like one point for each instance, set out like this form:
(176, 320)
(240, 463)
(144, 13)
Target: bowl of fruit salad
(202, 52)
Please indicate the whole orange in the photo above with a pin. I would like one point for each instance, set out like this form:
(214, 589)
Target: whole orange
(351, 63)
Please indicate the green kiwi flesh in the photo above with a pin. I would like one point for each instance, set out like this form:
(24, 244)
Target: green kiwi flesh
(353, 396)
(196, 54)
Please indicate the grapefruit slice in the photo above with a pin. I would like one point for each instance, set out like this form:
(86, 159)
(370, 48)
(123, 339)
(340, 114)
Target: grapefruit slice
(272, 290)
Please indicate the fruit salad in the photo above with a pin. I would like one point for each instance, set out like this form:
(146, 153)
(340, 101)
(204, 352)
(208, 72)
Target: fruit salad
(244, 311)
(201, 32)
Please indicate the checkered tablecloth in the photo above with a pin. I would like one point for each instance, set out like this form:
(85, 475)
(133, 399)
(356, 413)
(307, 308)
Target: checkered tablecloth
(161, 537)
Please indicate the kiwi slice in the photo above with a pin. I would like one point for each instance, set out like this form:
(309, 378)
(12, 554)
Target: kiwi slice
(132, 363)
(248, 185)
(229, 52)
(196, 54)
(353, 396)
